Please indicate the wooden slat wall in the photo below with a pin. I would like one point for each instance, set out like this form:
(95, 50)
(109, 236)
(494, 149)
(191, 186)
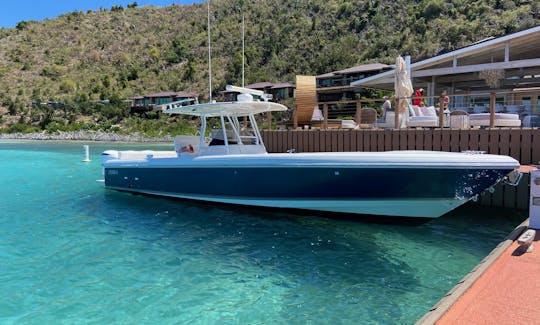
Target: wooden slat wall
(305, 98)
(521, 144)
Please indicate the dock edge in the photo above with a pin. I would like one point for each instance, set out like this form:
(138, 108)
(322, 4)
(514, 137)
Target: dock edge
(443, 305)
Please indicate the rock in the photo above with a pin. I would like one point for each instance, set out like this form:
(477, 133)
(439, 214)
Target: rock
(83, 135)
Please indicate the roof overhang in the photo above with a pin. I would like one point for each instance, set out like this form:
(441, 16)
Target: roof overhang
(516, 53)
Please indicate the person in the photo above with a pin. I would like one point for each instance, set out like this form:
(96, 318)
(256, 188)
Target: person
(444, 101)
(417, 100)
(386, 106)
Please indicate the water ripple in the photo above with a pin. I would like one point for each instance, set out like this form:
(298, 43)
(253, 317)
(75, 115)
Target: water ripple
(73, 252)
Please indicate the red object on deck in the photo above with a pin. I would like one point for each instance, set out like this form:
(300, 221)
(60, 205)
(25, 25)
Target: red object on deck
(418, 97)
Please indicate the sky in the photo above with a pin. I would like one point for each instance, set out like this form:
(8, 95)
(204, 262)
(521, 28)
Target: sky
(14, 11)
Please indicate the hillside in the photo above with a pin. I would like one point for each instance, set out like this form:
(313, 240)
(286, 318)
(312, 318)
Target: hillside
(117, 53)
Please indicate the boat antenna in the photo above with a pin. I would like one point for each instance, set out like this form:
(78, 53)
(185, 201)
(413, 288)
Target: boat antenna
(209, 56)
(243, 48)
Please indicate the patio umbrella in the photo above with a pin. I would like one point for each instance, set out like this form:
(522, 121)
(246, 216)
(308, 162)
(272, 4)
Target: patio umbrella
(403, 88)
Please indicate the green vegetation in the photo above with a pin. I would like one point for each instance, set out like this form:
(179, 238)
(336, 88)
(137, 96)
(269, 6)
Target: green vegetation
(113, 54)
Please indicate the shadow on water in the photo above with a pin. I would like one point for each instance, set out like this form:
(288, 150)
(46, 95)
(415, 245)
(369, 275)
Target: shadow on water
(302, 254)
(307, 255)
(196, 259)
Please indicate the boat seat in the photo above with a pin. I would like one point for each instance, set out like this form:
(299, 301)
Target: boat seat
(181, 141)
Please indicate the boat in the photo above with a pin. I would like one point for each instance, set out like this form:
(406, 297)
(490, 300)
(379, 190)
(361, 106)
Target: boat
(234, 167)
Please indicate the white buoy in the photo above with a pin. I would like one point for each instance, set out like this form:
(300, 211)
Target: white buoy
(86, 149)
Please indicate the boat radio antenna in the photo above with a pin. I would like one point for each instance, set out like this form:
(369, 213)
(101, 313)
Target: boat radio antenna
(209, 57)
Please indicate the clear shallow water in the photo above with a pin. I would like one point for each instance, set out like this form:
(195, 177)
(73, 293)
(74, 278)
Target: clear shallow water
(71, 251)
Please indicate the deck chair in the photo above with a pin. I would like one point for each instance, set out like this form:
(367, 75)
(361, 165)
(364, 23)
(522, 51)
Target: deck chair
(459, 119)
(368, 118)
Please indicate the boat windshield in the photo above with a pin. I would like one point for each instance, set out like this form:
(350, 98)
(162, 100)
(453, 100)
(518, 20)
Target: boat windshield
(233, 135)
(236, 131)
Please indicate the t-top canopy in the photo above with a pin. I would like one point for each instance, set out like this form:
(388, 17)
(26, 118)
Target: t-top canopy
(227, 109)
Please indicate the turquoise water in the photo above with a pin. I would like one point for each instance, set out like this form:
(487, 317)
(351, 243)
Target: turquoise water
(73, 252)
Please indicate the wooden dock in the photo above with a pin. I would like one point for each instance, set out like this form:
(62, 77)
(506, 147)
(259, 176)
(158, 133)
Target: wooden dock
(517, 143)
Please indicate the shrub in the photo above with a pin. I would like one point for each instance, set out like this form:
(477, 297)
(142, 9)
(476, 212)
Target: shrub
(21, 128)
(67, 86)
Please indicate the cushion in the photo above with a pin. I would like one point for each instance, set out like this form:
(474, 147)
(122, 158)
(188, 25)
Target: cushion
(424, 111)
(514, 123)
(501, 119)
(348, 124)
(498, 116)
(424, 119)
(431, 111)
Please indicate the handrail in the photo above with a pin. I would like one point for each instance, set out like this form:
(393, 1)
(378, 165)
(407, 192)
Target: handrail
(470, 102)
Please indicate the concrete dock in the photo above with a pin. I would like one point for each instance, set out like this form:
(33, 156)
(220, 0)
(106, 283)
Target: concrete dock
(503, 289)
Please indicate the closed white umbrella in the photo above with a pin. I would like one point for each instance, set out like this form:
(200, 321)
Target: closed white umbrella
(403, 89)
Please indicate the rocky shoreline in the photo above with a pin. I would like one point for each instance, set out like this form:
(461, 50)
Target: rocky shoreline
(84, 136)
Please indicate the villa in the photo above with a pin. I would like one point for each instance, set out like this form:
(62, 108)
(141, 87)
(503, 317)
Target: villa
(153, 102)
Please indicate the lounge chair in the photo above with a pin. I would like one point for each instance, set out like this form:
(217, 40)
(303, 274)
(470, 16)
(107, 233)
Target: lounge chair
(422, 117)
(501, 119)
(531, 121)
(368, 118)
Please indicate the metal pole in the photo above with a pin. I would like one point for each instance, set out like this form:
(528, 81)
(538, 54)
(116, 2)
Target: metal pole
(243, 49)
(396, 109)
(225, 135)
(203, 132)
(209, 57)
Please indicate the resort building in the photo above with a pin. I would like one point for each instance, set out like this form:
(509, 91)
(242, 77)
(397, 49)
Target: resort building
(331, 96)
(153, 102)
(502, 72)
(334, 87)
(279, 91)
